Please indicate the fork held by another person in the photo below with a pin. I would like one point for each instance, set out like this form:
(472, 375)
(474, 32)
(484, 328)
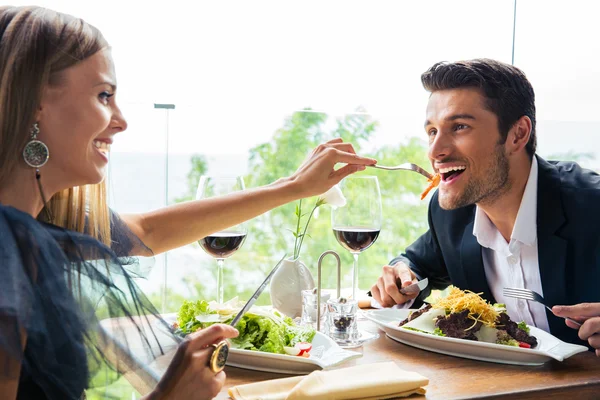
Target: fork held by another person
(502, 215)
(588, 314)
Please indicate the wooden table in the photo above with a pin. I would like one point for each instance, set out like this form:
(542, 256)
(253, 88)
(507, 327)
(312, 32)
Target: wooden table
(449, 377)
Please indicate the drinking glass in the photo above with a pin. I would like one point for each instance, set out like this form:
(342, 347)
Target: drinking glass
(356, 226)
(221, 245)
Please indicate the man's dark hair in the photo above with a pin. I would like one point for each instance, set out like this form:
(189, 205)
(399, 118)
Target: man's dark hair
(508, 93)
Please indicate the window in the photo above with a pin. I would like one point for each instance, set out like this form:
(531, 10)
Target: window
(556, 46)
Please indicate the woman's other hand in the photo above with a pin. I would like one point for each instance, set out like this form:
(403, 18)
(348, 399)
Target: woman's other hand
(189, 377)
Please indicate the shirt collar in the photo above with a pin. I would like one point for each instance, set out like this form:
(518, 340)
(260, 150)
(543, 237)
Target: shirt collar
(485, 231)
(525, 229)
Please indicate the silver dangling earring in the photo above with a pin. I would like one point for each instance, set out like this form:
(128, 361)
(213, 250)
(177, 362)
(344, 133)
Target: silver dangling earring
(36, 155)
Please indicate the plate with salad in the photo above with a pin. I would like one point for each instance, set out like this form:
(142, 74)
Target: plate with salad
(463, 324)
(268, 340)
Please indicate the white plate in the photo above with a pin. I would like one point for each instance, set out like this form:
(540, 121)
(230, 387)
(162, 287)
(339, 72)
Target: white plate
(549, 347)
(325, 353)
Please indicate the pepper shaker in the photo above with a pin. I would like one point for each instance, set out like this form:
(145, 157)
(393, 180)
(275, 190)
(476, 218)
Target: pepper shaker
(341, 318)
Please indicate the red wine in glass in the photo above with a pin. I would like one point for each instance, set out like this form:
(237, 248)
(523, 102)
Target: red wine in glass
(222, 244)
(356, 225)
(356, 239)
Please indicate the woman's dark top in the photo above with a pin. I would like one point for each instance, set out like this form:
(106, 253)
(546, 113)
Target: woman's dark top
(55, 286)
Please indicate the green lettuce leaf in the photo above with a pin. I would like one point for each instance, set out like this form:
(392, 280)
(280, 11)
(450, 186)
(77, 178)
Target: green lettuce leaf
(297, 334)
(438, 332)
(260, 329)
(186, 317)
(523, 326)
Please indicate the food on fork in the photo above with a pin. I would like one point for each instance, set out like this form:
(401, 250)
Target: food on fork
(466, 315)
(433, 182)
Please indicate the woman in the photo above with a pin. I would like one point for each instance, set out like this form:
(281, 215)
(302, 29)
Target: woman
(59, 242)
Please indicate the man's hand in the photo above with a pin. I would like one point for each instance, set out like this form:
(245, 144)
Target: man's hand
(386, 291)
(589, 315)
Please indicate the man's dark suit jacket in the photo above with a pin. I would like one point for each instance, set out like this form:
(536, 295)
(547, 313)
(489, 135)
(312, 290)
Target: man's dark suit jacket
(568, 233)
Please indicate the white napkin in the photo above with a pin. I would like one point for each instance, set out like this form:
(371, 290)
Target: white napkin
(365, 382)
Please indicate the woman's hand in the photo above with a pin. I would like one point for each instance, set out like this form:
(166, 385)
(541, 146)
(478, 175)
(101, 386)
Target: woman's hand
(588, 314)
(317, 175)
(188, 377)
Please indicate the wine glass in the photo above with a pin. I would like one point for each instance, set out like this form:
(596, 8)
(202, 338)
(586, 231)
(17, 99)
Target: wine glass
(356, 226)
(221, 245)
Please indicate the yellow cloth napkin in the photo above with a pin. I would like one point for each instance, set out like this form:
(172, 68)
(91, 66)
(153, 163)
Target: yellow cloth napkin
(369, 381)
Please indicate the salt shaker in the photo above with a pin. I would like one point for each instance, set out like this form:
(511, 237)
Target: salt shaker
(309, 306)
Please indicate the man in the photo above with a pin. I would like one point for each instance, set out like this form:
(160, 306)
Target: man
(502, 216)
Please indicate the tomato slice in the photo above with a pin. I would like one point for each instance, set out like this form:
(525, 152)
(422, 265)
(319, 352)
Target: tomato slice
(304, 347)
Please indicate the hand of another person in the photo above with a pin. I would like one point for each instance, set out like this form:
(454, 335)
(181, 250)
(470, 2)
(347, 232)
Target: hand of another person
(589, 316)
(188, 376)
(317, 175)
(387, 289)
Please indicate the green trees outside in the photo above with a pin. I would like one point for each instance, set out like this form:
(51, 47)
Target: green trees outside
(199, 168)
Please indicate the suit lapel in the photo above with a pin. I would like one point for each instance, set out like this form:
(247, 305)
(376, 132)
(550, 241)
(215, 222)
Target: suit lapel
(552, 249)
(472, 263)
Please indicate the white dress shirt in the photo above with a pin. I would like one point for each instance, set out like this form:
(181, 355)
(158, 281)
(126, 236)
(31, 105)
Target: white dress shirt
(514, 264)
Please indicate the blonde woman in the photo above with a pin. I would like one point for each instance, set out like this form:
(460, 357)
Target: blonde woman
(61, 248)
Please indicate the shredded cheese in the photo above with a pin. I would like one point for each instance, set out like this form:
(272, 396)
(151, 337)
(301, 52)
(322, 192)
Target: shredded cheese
(479, 309)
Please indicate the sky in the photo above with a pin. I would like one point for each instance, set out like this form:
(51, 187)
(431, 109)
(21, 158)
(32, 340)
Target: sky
(236, 69)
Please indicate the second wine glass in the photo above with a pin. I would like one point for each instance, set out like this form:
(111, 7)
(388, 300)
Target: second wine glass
(221, 245)
(356, 226)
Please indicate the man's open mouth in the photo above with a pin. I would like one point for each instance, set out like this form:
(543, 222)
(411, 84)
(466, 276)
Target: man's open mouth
(450, 173)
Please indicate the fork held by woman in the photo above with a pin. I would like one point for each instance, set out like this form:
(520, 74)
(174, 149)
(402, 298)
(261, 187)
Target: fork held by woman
(406, 167)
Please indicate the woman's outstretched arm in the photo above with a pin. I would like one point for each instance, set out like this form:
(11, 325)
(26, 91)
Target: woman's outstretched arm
(181, 224)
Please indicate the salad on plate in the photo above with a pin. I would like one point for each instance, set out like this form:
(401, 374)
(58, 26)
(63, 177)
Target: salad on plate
(466, 315)
(261, 328)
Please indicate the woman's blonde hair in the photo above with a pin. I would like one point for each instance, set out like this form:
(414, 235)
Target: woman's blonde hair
(36, 45)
